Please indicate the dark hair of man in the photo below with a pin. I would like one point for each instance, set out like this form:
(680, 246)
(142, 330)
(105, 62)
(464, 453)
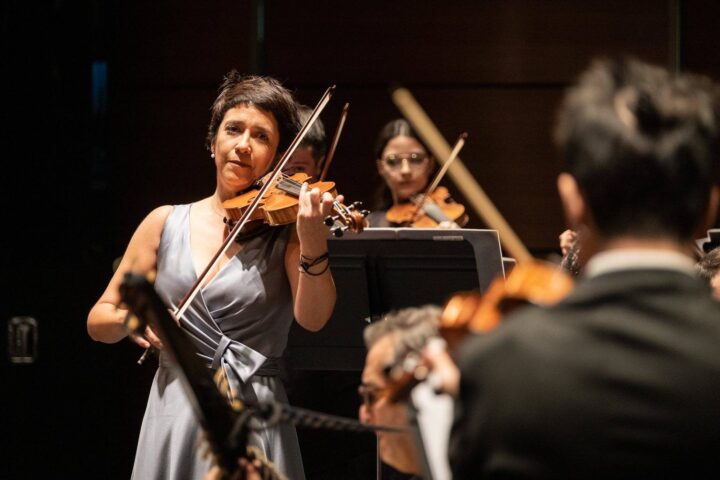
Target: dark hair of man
(315, 137)
(382, 199)
(264, 93)
(411, 328)
(709, 265)
(641, 143)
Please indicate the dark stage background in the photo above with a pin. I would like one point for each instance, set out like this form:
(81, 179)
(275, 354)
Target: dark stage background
(105, 107)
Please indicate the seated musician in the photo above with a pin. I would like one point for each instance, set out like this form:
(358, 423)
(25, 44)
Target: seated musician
(406, 167)
(621, 378)
(709, 270)
(310, 154)
(387, 341)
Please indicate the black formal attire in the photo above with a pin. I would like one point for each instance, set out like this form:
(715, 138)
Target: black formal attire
(619, 380)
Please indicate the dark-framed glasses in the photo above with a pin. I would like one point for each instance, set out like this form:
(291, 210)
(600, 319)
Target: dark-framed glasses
(415, 160)
(369, 394)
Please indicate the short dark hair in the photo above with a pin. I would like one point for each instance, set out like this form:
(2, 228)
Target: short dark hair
(412, 328)
(641, 143)
(265, 93)
(709, 265)
(315, 137)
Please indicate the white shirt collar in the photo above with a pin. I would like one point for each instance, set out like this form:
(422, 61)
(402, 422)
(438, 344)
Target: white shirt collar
(640, 259)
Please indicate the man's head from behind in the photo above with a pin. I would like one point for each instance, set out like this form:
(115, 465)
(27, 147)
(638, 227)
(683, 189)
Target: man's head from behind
(640, 146)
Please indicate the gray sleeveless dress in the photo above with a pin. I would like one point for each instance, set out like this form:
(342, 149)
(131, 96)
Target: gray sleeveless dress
(239, 322)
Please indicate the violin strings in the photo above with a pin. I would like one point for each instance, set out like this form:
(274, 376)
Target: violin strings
(287, 184)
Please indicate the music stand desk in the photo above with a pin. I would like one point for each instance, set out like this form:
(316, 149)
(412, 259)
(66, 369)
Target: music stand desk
(385, 269)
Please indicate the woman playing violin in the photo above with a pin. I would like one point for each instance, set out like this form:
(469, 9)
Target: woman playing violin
(241, 318)
(405, 166)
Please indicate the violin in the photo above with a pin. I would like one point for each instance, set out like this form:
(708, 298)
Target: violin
(437, 207)
(279, 205)
(531, 282)
(475, 313)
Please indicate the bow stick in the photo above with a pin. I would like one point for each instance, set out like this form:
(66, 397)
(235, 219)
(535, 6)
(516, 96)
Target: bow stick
(334, 142)
(434, 184)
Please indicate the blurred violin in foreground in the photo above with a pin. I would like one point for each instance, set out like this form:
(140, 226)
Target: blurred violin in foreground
(473, 312)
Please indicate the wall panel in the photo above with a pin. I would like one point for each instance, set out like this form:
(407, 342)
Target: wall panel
(500, 41)
(496, 69)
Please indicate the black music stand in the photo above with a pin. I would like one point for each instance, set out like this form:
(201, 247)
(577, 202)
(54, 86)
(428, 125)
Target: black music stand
(384, 269)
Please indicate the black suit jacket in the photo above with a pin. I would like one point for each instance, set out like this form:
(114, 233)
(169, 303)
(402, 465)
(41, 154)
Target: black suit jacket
(619, 380)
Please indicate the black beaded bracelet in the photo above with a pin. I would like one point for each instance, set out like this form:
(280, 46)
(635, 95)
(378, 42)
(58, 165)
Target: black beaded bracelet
(306, 263)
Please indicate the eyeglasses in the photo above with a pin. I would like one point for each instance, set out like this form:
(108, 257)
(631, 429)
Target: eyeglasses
(415, 160)
(369, 394)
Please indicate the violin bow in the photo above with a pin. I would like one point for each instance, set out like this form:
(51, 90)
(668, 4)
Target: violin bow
(334, 142)
(197, 286)
(467, 184)
(459, 144)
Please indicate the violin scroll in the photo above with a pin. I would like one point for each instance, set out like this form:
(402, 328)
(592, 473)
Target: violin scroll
(347, 218)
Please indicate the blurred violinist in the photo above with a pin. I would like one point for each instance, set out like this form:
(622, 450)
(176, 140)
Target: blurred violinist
(406, 168)
(241, 319)
(620, 379)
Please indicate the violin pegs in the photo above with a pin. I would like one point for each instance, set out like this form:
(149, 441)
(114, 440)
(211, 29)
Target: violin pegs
(364, 213)
(356, 205)
(329, 221)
